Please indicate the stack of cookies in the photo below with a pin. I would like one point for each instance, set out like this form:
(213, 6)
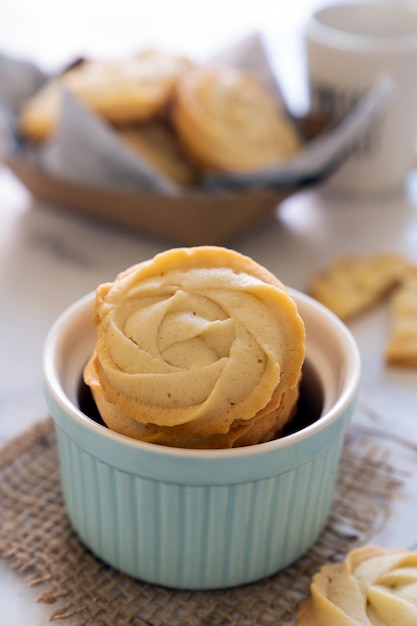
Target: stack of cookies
(196, 348)
(184, 119)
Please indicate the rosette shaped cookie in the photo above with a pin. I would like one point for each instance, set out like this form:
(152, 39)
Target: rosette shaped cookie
(374, 586)
(198, 347)
(228, 122)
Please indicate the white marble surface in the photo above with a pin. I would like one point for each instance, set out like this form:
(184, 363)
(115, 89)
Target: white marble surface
(49, 258)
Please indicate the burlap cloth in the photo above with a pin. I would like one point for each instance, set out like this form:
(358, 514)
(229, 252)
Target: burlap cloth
(37, 541)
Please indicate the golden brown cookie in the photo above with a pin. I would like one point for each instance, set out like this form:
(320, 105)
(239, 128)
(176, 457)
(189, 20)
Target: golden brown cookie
(373, 586)
(352, 284)
(228, 122)
(401, 348)
(201, 344)
(123, 92)
(156, 142)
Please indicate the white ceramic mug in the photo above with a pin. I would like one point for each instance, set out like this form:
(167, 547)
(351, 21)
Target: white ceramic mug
(348, 47)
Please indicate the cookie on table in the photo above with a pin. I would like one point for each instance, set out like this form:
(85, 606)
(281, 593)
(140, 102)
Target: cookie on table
(123, 91)
(373, 586)
(156, 142)
(401, 348)
(228, 121)
(353, 284)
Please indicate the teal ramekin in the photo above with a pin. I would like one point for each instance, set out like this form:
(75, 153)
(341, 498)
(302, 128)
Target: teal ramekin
(201, 519)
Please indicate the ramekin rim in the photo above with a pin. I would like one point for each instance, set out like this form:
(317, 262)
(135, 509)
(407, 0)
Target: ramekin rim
(347, 396)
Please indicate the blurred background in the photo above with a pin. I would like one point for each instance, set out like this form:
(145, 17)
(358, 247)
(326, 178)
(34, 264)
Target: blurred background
(52, 33)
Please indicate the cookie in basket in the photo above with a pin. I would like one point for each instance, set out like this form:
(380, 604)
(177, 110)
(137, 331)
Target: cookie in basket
(373, 586)
(156, 142)
(123, 91)
(352, 284)
(228, 121)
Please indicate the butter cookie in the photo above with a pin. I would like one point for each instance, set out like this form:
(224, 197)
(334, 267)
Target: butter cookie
(122, 92)
(197, 347)
(228, 121)
(373, 586)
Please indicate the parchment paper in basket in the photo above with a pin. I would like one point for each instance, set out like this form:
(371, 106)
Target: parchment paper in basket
(19, 79)
(86, 150)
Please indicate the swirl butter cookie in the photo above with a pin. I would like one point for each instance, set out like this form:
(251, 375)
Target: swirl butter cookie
(228, 122)
(373, 586)
(122, 92)
(197, 347)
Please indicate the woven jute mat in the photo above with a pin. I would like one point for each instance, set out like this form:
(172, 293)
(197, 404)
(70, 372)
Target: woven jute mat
(37, 541)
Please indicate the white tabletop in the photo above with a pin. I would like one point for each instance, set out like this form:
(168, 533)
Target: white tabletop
(49, 258)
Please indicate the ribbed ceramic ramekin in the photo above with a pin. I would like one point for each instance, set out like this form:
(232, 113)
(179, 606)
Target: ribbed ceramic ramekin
(201, 519)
